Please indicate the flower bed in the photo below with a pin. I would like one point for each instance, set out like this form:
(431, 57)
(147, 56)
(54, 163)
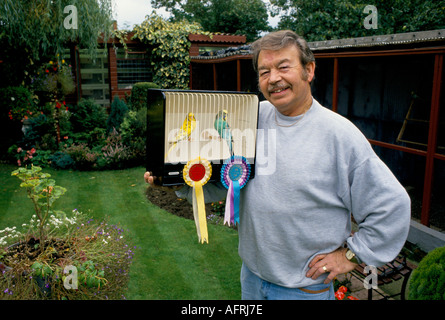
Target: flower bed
(60, 256)
(44, 130)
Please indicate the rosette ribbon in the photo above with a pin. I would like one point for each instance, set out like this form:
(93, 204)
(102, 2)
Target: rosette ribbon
(197, 173)
(235, 173)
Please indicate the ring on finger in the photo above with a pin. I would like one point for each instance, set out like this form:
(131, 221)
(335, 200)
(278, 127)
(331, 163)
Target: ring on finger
(325, 269)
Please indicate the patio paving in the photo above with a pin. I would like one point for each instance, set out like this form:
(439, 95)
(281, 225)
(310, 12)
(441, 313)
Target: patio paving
(358, 290)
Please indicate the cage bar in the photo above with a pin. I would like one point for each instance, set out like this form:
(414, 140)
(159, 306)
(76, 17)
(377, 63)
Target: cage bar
(181, 127)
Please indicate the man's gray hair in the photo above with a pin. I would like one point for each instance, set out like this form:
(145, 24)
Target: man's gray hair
(282, 39)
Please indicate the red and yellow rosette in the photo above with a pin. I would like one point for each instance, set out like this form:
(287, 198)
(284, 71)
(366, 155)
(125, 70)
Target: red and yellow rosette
(197, 173)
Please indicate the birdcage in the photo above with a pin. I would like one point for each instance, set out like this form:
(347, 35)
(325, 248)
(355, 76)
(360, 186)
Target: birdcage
(183, 125)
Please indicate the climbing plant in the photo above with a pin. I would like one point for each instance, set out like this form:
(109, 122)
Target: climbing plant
(169, 46)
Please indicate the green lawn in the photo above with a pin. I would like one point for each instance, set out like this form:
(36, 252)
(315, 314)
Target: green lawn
(169, 262)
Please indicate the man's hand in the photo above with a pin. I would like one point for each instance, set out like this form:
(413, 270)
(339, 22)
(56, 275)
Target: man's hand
(334, 263)
(150, 179)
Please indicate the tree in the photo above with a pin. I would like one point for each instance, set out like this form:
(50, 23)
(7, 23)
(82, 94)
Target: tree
(33, 30)
(248, 17)
(118, 112)
(324, 20)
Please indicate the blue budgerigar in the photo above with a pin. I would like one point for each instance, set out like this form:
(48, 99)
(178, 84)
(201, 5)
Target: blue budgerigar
(223, 129)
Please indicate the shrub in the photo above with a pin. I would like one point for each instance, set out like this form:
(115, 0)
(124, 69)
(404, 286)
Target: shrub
(138, 151)
(35, 129)
(87, 116)
(134, 126)
(42, 158)
(48, 142)
(427, 282)
(117, 113)
(114, 154)
(39, 137)
(133, 131)
(61, 160)
(95, 137)
(139, 94)
(18, 103)
(82, 155)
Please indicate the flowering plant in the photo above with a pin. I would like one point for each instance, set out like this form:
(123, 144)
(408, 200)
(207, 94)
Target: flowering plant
(219, 207)
(340, 294)
(75, 257)
(24, 156)
(53, 82)
(42, 191)
(55, 77)
(216, 215)
(20, 102)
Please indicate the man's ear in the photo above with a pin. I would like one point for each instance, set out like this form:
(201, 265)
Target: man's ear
(310, 71)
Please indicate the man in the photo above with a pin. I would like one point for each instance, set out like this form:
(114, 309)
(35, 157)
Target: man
(295, 220)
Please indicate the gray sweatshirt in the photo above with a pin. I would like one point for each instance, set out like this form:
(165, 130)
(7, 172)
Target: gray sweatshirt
(311, 174)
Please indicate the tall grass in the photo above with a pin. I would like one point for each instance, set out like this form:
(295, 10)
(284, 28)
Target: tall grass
(169, 262)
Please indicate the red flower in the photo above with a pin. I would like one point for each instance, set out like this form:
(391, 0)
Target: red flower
(339, 295)
(47, 71)
(58, 105)
(343, 289)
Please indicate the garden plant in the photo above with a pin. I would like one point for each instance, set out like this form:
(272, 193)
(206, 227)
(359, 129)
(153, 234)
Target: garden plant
(428, 280)
(83, 137)
(58, 255)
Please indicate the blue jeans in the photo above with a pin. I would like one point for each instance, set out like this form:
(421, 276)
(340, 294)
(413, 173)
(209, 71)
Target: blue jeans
(255, 288)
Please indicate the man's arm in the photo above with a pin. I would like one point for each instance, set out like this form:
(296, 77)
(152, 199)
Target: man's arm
(382, 209)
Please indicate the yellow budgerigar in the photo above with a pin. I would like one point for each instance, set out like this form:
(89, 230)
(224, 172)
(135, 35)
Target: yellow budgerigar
(186, 130)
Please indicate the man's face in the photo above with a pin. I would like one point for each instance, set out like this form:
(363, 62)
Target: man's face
(283, 80)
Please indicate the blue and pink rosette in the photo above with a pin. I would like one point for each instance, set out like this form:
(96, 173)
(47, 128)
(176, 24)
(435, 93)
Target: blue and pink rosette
(235, 173)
